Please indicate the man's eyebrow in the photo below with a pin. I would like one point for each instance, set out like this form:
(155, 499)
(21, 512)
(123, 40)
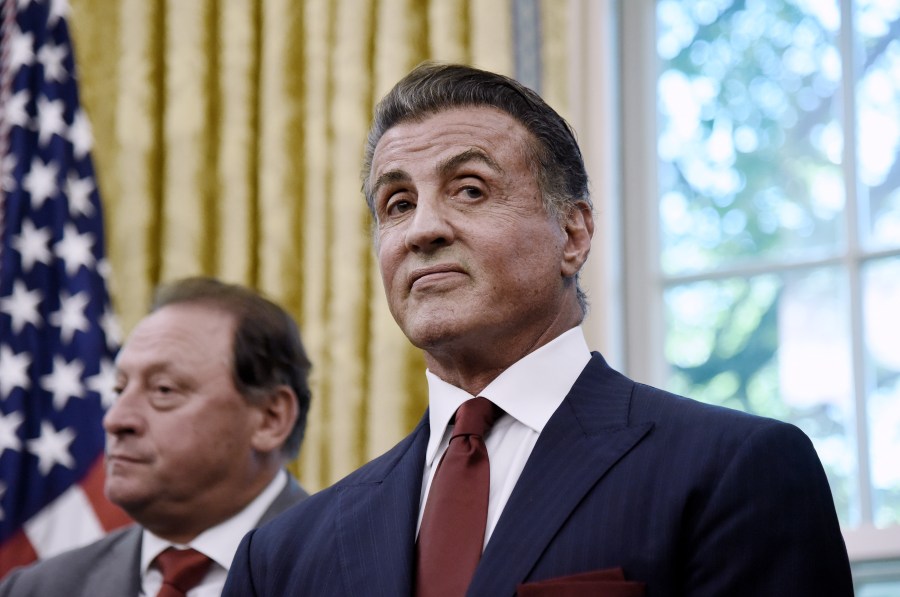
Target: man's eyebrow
(146, 369)
(450, 164)
(443, 168)
(393, 176)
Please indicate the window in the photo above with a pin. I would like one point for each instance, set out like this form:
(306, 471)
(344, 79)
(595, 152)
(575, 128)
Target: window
(760, 144)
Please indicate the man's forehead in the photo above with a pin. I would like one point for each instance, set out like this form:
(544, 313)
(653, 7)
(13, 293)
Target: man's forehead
(449, 138)
(148, 360)
(180, 329)
(444, 166)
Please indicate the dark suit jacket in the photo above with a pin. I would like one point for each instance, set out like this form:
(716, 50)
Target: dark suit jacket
(109, 567)
(689, 498)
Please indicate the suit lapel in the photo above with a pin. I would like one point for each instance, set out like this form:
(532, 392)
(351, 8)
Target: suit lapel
(377, 521)
(585, 437)
(117, 572)
(287, 497)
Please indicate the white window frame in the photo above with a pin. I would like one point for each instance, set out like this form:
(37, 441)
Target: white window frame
(613, 109)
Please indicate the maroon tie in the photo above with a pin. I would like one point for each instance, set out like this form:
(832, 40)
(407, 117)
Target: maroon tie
(452, 533)
(182, 570)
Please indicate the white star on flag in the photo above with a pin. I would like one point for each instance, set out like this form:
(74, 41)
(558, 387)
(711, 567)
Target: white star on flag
(22, 306)
(13, 371)
(79, 191)
(50, 120)
(7, 180)
(52, 447)
(104, 269)
(9, 427)
(21, 50)
(110, 325)
(40, 182)
(64, 382)
(59, 9)
(80, 135)
(33, 245)
(104, 383)
(70, 317)
(75, 249)
(16, 110)
(52, 58)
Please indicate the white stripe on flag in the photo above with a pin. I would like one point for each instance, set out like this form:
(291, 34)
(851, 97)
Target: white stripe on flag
(66, 523)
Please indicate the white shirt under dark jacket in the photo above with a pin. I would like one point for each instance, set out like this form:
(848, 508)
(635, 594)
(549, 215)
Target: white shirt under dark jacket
(529, 392)
(219, 543)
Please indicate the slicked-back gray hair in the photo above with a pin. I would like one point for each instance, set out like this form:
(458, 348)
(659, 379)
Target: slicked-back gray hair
(434, 87)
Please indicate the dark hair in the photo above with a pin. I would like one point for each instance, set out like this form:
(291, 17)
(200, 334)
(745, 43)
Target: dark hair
(266, 351)
(434, 87)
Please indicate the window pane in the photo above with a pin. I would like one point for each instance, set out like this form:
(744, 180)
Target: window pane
(879, 589)
(878, 114)
(750, 143)
(775, 345)
(881, 287)
(877, 578)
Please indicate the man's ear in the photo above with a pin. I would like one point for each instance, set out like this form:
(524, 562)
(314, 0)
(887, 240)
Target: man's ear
(579, 229)
(279, 413)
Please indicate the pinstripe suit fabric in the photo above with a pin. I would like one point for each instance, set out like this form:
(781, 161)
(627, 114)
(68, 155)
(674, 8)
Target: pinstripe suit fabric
(691, 499)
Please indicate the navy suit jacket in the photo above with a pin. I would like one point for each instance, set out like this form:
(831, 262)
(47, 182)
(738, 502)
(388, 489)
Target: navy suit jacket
(688, 498)
(109, 567)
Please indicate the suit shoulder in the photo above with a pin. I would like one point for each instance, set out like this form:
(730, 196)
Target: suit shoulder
(653, 403)
(58, 575)
(719, 432)
(642, 403)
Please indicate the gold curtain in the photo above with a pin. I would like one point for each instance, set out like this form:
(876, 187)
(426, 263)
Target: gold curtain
(229, 138)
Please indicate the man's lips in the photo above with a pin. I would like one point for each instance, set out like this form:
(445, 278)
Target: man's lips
(433, 272)
(125, 458)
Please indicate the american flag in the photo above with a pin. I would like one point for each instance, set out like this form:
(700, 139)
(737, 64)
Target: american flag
(58, 337)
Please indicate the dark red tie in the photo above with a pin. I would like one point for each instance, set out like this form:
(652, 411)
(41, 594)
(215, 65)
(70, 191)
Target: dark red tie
(182, 570)
(452, 533)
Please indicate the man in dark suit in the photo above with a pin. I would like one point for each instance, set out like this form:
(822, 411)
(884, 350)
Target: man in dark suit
(212, 404)
(597, 485)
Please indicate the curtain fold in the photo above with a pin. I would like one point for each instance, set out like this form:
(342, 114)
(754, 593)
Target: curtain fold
(229, 137)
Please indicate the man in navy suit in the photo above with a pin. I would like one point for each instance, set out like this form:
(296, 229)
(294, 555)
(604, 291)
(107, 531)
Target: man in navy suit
(598, 485)
(212, 404)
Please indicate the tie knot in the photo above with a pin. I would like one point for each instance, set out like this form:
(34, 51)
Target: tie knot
(183, 569)
(475, 417)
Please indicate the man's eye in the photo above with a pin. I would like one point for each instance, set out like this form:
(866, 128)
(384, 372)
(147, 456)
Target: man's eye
(165, 396)
(399, 207)
(472, 192)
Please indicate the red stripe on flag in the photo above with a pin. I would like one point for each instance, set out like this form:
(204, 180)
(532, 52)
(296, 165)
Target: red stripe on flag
(17, 551)
(110, 516)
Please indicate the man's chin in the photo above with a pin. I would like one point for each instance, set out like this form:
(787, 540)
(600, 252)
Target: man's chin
(133, 499)
(432, 335)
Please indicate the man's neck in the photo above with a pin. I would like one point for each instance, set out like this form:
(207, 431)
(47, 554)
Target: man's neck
(473, 368)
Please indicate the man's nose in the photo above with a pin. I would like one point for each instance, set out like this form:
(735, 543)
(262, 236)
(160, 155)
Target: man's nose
(430, 226)
(124, 416)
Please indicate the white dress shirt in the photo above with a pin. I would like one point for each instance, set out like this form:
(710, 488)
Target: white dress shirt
(219, 543)
(529, 392)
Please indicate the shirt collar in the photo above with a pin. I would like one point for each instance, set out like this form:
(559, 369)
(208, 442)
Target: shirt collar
(220, 542)
(530, 390)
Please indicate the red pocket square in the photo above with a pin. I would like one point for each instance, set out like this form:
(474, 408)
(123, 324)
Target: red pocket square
(602, 583)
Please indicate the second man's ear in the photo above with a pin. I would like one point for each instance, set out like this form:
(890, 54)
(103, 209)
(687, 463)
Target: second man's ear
(279, 414)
